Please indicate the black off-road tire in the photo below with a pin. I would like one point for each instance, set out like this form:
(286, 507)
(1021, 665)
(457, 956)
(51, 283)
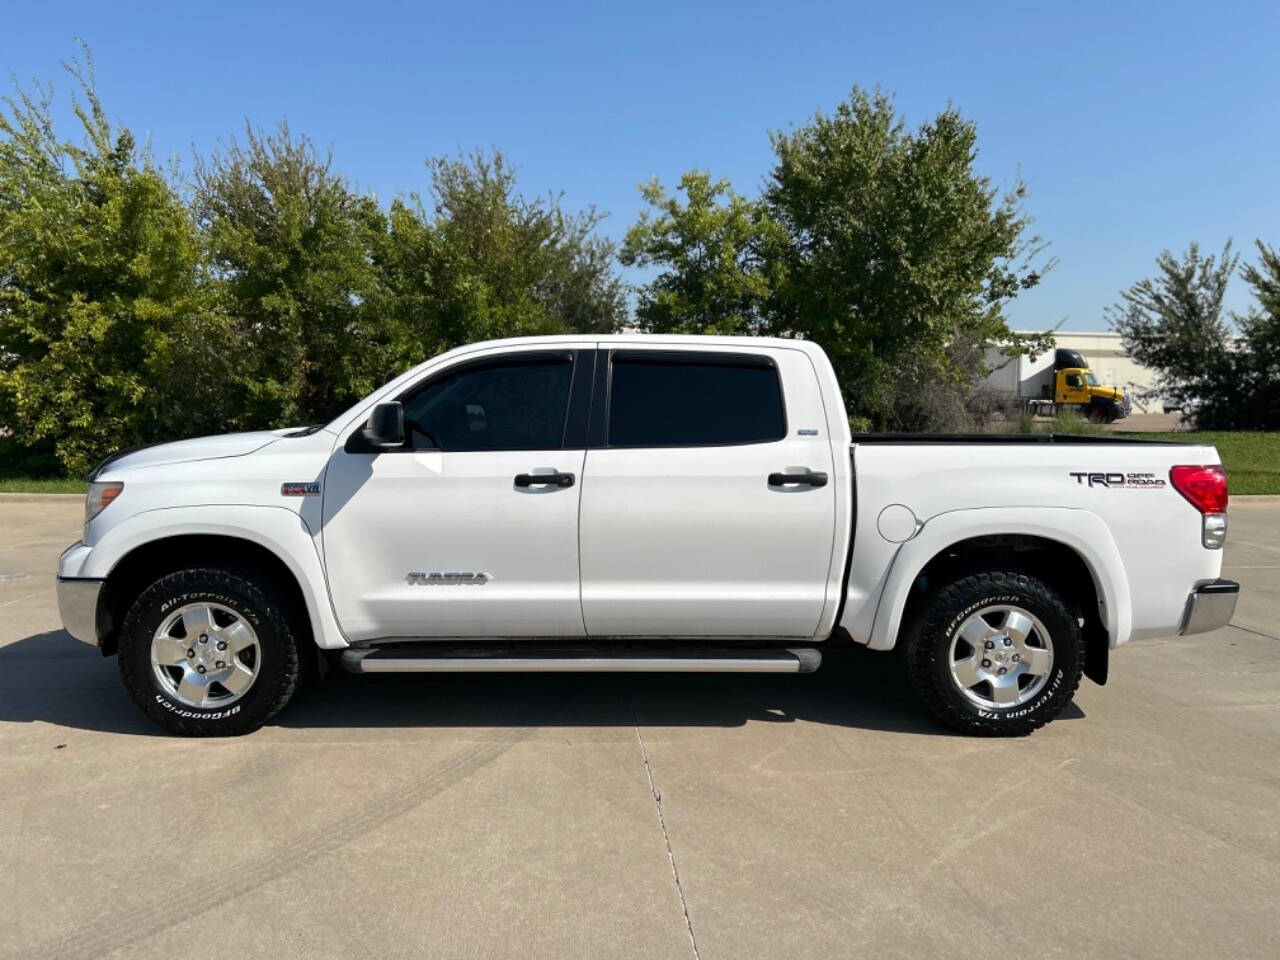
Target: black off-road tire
(927, 643)
(1104, 413)
(262, 607)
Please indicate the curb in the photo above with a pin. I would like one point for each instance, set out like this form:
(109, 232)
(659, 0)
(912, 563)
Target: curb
(39, 497)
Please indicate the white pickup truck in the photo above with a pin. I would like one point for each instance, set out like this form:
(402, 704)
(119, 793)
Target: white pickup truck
(636, 503)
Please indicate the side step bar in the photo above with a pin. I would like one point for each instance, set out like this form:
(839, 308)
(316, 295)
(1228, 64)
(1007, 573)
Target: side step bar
(433, 659)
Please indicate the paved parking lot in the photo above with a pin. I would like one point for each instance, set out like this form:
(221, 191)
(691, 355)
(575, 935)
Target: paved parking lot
(642, 816)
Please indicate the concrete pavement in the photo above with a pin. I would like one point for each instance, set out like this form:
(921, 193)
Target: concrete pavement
(642, 816)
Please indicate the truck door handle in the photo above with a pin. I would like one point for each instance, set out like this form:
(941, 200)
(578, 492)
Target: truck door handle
(810, 478)
(544, 480)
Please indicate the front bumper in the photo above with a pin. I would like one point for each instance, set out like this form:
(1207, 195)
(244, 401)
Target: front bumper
(1210, 606)
(80, 608)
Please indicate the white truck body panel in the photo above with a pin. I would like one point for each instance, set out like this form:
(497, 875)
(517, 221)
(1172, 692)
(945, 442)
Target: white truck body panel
(389, 516)
(1141, 543)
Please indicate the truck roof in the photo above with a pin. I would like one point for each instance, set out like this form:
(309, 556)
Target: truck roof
(625, 338)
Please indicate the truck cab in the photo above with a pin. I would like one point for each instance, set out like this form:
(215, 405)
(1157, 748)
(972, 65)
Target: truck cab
(1075, 385)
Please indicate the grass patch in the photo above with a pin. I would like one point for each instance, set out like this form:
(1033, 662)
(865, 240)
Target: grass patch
(1251, 459)
(42, 485)
(1067, 421)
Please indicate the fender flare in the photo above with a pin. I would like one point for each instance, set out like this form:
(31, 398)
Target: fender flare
(1081, 530)
(279, 530)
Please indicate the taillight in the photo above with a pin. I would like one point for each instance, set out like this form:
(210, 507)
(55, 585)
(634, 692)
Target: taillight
(1205, 488)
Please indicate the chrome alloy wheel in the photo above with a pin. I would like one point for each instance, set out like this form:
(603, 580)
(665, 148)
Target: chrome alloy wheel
(205, 655)
(1000, 657)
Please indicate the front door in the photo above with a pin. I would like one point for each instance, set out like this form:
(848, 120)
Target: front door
(707, 509)
(471, 529)
(1073, 388)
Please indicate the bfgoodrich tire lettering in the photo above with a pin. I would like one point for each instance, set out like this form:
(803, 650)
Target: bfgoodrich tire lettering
(258, 604)
(928, 646)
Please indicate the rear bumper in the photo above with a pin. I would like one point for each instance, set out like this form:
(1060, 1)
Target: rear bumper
(1210, 606)
(78, 606)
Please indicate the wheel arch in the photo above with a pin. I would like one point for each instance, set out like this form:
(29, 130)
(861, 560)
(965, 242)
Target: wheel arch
(277, 545)
(1071, 548)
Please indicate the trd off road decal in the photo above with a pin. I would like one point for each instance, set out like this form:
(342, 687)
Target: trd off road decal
(1123, 481)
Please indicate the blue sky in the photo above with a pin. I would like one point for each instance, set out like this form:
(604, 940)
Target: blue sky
(1136, 126)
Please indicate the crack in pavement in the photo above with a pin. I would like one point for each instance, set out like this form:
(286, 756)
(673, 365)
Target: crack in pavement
(662, 823)
(1256, 633)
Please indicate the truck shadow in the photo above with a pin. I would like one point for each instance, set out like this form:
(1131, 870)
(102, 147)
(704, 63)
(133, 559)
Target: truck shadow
(52, 678)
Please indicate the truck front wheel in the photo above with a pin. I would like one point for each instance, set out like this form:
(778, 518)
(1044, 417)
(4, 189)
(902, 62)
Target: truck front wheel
(995, 653)
(1103, 413)
(209, 652)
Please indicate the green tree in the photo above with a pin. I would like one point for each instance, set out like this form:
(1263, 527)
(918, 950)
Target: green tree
(1264, 277)
(506, 266)
(713, 245)
(897, 251)
(103, 327)
(406, 258)
(484, 263)
(329, 295)
(880, 243)
(1174, 324)
(290, 250)
(1256, 360)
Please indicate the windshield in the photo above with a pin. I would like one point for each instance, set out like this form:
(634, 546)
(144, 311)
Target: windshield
(1090, 379)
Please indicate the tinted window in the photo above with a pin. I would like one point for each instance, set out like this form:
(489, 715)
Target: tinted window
(680, 403)
(501, 406)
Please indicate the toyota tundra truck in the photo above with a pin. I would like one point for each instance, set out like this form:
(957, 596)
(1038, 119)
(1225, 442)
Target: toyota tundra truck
(636, 503)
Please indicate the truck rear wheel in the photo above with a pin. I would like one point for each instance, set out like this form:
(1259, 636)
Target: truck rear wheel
(209, 652)
(995, 653)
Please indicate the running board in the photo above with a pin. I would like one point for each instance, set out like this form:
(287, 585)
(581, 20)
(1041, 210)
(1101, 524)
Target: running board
(433, 659)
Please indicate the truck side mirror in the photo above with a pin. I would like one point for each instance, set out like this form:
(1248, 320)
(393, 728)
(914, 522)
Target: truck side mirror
(385, 427)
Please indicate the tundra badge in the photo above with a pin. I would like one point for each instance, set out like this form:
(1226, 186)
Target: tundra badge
(436, 578)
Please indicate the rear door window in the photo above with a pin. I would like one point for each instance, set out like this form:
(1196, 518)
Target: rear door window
(688, 400)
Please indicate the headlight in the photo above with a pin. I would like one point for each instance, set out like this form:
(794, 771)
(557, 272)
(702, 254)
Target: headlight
(100, 497)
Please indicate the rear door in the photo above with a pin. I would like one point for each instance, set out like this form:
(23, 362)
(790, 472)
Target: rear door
(707, 505)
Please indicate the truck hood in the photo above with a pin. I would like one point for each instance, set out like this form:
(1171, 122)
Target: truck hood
(198, 448)
(1111, 393)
